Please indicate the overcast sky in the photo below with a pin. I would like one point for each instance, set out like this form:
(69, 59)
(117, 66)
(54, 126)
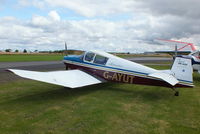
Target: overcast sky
(109, 25)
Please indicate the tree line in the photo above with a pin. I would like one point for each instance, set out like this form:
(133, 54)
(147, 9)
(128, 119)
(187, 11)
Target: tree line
(37, 51)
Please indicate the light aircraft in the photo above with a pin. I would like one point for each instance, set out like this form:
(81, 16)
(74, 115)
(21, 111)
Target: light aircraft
(184, 49)
(95, 67)
(181, 48)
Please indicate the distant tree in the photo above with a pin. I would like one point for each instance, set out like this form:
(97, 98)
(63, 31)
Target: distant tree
(25, 51)
(8, 50)
(16, 51)
(58, 51)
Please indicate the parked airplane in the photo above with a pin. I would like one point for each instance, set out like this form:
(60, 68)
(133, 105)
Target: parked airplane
(195, 56)
(95, 67)
(185, 49)
(181, 48)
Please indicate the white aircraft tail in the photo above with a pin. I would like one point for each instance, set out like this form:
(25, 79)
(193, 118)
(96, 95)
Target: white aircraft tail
(182, 69)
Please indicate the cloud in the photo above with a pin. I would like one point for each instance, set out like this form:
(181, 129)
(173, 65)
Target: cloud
(87, 8)
(183, 8)
(169, 19)
(40, 21)
(91, 8)
(54, 15)
(29, 3)
(179, 17)
(49, 33)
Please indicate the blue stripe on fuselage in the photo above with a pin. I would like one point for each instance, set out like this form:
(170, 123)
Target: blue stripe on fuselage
(77, 58)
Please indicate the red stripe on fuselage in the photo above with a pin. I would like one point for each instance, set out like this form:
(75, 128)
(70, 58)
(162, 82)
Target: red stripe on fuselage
(122, 78)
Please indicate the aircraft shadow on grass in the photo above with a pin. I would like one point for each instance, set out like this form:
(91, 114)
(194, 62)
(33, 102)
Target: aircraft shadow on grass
(68, 94)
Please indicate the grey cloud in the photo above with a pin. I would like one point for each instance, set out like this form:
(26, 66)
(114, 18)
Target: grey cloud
(179, 18)
(187, 8)
(132, 35)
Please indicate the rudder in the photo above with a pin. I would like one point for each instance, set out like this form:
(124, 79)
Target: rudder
(182, 69)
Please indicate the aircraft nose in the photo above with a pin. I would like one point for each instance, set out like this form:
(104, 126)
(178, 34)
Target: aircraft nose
(65, 57)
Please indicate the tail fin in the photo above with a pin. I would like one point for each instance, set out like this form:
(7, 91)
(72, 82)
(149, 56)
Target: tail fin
(182, 69)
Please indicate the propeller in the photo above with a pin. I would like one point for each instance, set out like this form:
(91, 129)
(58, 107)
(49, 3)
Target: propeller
(65, 49)
(66, 54)
(176, 50)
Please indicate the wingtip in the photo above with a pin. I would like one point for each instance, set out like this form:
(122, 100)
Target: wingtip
(9, 70)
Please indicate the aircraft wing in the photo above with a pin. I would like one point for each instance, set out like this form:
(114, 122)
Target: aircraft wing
(166, 77)
(70, 78)
(173, 52)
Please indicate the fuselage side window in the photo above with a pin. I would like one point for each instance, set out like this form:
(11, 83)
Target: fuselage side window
(100, 60)
(89, 56)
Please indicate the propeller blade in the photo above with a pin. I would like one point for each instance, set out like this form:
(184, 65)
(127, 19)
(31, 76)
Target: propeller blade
(176, 50)
(66, 49)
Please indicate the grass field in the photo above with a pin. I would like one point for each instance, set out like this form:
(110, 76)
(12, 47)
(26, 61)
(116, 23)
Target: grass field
(30, 107)
(30, 57)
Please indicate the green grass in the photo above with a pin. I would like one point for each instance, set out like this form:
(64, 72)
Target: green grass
(30, 107)
(30, 57)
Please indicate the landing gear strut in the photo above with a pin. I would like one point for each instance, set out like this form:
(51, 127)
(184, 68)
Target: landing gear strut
(66, 67)
(176, 92)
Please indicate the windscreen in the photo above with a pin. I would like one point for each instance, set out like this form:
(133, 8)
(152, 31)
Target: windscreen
(89, 56)
(100, 60)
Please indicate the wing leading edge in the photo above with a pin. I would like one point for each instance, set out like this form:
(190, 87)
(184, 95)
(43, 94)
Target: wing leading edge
(71, 78)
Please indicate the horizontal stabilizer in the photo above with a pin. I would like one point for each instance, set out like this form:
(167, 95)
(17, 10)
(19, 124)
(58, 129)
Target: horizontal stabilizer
(166, 77)
(71, 78)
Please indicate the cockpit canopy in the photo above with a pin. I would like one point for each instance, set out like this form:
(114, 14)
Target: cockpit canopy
(93, 57)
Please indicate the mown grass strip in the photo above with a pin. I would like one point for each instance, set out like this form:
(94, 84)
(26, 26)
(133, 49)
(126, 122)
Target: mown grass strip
(30, 57)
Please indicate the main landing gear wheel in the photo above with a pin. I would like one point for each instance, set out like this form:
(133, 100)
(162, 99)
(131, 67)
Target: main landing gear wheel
(176, 92)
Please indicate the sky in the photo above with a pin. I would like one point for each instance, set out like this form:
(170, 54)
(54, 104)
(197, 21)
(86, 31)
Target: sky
(108, 25)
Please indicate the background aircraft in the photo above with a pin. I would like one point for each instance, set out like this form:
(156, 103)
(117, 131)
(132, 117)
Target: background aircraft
(95, 67)
(185, 49)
